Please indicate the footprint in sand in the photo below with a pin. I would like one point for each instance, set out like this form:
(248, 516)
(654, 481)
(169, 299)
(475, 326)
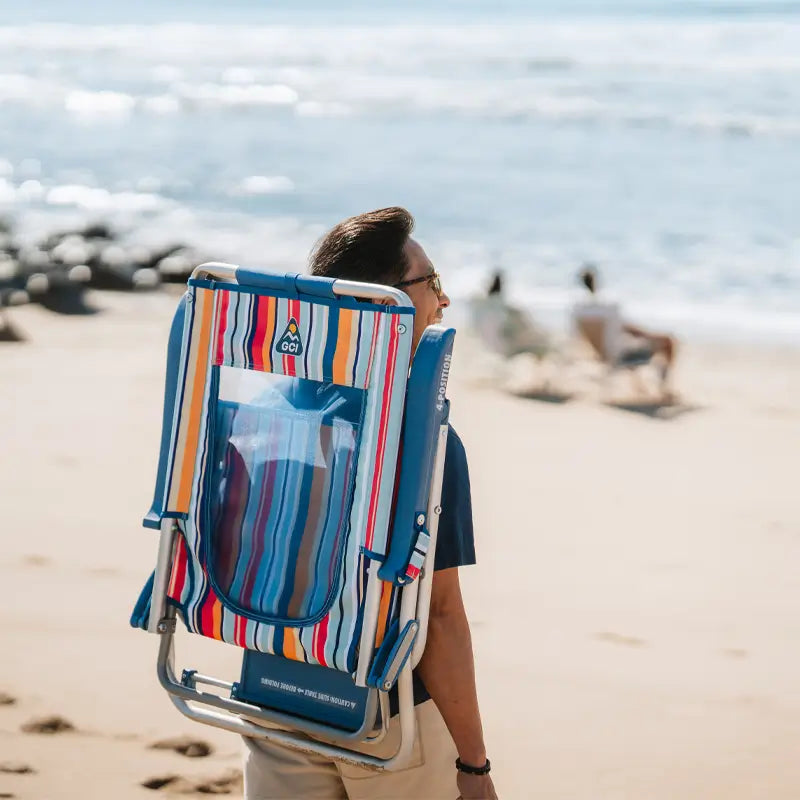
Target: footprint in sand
(185, 745)
(618, 638)
(175, 783)
(51, 724)
(16, 768)
(103, 572)
(7, 699)
(34, 560)
(735, 652)
(228, 783)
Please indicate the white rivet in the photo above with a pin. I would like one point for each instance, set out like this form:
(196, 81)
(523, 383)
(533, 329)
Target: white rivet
(437, 510)
(401, 328)
(421, 519)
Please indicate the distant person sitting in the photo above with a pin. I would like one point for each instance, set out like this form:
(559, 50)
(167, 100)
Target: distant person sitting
(504, 328)
(618, 343)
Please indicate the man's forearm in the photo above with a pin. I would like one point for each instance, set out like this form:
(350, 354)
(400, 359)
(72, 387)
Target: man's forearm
(447, 669)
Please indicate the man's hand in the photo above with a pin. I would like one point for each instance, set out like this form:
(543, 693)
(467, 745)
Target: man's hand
(475, 787)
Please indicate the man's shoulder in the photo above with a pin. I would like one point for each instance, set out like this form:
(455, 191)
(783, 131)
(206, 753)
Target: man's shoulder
(455, 454)
(453, 439)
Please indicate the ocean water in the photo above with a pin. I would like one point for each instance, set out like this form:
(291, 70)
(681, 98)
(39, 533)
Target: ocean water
(658, 139)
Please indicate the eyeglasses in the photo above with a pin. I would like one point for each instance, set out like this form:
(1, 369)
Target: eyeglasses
(432, 278)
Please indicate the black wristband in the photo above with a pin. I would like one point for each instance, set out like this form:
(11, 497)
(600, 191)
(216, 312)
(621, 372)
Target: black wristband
(470, 770)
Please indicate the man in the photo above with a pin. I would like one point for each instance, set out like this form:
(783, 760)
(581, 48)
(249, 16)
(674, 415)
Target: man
(449, 755)
(617, 341)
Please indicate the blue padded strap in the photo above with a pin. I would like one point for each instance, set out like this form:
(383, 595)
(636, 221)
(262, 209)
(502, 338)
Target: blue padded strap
(315, 286)
(141, 611)
(426, 409)
(292, 283)
(381, 658)
(153, 518)
(271, 281)
(392, 655)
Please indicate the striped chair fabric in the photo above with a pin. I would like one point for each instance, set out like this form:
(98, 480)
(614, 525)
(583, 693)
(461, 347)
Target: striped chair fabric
(275, 548)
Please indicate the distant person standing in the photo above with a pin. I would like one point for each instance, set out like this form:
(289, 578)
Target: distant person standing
(616, 341)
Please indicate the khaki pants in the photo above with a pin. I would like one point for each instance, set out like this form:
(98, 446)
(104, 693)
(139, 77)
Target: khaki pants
(273, 772)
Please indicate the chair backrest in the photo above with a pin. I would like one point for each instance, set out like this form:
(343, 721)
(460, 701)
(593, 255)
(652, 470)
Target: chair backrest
(593, 331)
(285, 406)
(600, 325)
(505, 329)
(292, 523)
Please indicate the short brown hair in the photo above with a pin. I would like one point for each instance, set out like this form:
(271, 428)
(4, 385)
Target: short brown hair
(368, 247)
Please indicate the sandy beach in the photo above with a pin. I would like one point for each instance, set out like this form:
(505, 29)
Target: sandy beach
(634, 608)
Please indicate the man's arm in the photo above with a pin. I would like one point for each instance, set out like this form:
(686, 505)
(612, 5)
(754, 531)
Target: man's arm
(448, 671)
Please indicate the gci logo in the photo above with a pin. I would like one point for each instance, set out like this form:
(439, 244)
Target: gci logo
(289, 344)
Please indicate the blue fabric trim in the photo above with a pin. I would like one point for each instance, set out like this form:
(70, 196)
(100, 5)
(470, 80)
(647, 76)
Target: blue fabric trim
(373, 556)
(340, 301)
(174, 351)
(141, 611)
(426, 406)
(152, 520)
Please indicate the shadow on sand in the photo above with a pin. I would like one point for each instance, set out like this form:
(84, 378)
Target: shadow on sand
(654, 409)
(8, 331)
(543, 395)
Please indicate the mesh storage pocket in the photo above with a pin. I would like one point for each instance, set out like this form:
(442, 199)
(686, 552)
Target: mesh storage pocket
(279, 493)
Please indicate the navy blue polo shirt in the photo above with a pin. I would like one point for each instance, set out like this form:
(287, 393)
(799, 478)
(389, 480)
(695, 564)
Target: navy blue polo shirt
(455, 539)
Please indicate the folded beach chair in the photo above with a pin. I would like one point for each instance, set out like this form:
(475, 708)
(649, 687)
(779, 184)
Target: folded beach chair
(297, 501)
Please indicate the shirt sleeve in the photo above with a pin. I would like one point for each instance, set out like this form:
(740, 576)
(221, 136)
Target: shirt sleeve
(455, 541)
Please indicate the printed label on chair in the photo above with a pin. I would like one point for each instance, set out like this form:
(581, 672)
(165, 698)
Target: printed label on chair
(290, 344)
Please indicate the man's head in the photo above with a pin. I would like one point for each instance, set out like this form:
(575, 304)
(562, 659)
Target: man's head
(377, 247)
(588, 277)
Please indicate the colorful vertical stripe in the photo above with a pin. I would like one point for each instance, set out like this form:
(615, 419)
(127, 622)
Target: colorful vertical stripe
(192, 402)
